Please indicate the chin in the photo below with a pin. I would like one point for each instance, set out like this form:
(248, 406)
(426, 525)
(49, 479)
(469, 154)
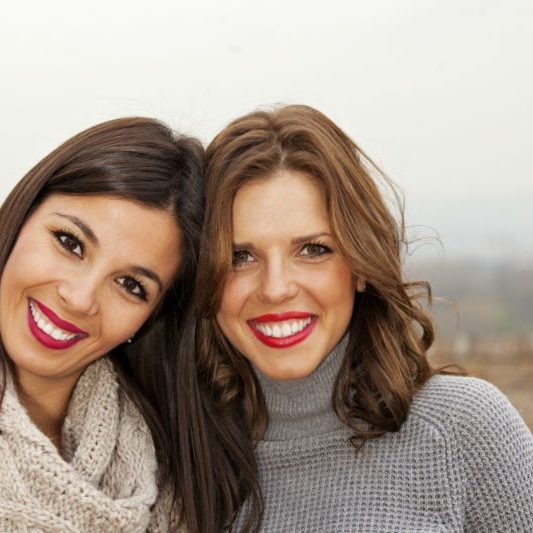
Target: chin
(288, 373)
(291, 376)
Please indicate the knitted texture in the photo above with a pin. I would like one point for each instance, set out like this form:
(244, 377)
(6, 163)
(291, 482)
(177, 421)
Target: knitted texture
(106, 479)
(462, 461)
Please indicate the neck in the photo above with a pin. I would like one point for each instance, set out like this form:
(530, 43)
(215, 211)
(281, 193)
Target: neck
(46, 402)
(303, 407)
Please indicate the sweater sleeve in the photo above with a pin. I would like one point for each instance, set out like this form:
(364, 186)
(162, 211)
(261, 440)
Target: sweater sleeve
(496, 455)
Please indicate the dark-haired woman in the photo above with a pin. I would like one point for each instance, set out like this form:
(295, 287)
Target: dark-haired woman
(98, 245)
(314, 352)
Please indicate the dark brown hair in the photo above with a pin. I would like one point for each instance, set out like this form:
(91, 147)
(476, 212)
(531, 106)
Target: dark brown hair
(142, 160)
(389, 333)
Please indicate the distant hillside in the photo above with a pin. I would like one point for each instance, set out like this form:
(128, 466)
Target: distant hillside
(481, 299)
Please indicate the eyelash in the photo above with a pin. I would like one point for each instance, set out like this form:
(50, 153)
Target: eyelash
(66, 233)
(324, 250)
(312, 257)
(142, 294)
(238, 264)
(60, 234)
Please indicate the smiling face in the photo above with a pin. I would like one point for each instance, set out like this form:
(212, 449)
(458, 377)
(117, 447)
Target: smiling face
(84, 275)
(289, 299)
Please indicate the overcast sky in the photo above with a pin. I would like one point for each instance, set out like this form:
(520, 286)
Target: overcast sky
(439, 93)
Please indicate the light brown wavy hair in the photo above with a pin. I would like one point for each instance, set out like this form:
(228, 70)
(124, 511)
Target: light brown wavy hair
(389, 333)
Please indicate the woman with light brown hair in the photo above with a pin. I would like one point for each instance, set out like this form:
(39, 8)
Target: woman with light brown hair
(313, 350)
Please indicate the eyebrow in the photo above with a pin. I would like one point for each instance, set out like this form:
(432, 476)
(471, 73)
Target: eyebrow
(146, 272)
(312, 237)
(85, 229)
(89, 233)
(297, 240)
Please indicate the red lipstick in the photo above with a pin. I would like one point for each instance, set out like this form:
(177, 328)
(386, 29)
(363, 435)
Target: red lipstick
(58, 322)
(280, 317)
(285, 341)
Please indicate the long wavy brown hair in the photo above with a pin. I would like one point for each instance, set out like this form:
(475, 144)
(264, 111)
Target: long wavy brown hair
(141, 160)
(389, 333)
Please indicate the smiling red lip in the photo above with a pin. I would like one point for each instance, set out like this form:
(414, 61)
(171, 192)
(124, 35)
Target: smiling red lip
(279, 317)
(44, 338)
(59, 322)
(280, 338)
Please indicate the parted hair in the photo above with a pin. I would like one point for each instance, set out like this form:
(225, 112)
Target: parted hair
(385, 362)
(142, 160)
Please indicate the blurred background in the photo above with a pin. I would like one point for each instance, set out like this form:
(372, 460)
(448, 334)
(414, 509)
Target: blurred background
(438, 93)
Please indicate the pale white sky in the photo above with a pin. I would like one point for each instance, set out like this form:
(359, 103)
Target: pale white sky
(438, 92)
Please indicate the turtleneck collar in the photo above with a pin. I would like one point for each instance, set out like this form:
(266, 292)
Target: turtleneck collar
(302, 407)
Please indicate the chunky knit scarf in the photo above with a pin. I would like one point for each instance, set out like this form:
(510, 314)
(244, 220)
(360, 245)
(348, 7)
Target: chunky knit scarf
(106, 479)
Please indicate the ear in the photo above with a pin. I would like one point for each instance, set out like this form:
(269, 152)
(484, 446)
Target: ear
(361, 285)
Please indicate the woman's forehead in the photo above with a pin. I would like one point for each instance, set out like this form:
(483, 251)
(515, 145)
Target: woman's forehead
(289, 202)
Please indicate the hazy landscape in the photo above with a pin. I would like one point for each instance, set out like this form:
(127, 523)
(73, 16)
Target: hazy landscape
(483, 312)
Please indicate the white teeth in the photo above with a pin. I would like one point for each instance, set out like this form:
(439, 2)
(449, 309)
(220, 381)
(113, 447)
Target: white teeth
(56, 335)
(45, 325)
(286, 329)
(280, 330)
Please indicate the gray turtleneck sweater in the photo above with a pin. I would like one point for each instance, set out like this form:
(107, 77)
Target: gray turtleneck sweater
(462, 461)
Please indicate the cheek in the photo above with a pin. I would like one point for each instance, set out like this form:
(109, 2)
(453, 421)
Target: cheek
(237, 292)
(29, 264)
(130, 320)
(335, 289)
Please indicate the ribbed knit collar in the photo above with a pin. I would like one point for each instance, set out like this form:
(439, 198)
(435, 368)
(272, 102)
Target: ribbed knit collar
(302, 407)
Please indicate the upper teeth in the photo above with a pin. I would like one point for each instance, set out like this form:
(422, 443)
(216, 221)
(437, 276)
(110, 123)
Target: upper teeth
(279, 330)
(50, 329)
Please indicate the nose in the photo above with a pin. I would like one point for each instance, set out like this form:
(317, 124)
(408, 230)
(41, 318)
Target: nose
(278, 284)
(79, 295)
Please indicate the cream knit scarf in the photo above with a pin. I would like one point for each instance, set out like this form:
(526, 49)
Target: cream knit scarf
(106, 481)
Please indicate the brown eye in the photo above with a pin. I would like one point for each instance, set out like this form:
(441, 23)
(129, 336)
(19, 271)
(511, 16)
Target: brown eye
(69, 242)
(133, 286)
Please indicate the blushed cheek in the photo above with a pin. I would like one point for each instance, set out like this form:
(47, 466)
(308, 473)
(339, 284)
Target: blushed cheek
(336, 290)
(17, 274)
(235, 296)
(31, 262)
(232, 308)
(229, 327)
(228, 314)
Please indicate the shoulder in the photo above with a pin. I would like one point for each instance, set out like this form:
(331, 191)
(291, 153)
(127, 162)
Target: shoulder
(488, 446)
(454, 399)
(457, 401)
(475, 417)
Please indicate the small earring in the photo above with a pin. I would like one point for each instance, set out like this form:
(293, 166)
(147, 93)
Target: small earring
(361, 285)
(129, 339)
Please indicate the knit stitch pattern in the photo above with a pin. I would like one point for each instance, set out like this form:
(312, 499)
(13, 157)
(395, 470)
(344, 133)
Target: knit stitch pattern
(462, 461)
(106, 479)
